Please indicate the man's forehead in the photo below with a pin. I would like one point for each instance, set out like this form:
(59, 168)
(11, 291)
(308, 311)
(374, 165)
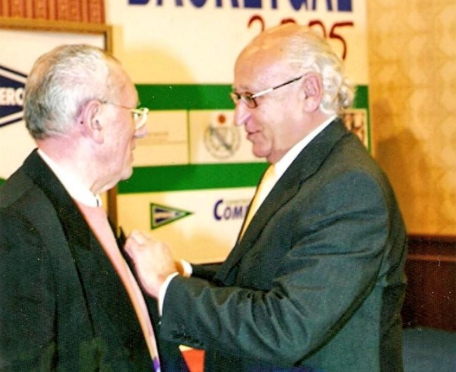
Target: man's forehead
(261, 75)
(260, 60)
(267, 47)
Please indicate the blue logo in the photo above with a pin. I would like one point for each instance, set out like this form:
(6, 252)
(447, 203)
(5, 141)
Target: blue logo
(225, 210)
(161, 215)
(342, 5)
(12, 85)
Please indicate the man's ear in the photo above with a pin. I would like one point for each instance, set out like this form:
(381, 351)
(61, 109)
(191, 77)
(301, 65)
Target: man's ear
(90, 121)
(312, 87)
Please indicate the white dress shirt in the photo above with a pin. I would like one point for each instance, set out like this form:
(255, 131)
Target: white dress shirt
(77, 190)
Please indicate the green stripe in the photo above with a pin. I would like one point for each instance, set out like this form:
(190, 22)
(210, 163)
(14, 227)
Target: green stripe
(185, 97)
(192, 177)
(205, 97)
(361, 97)
(362, 101)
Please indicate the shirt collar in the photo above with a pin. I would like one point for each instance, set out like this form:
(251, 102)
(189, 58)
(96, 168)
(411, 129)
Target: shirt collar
(282, 165)
(73, 185)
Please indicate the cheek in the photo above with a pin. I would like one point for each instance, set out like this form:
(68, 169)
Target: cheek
(122, 150)
(126, 138)
(269, 125)
(128, 150)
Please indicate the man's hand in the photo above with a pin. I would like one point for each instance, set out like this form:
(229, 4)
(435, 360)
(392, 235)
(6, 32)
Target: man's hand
(153, 260)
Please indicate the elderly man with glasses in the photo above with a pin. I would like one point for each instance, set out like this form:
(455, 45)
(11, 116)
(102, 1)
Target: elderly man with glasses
(316, 279)
(69, 301)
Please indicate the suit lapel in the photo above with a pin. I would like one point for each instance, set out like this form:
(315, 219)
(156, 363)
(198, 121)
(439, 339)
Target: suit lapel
(303, 167)
(103, 288)
(75, 228)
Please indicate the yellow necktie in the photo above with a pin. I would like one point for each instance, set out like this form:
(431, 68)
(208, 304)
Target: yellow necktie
(267, 183)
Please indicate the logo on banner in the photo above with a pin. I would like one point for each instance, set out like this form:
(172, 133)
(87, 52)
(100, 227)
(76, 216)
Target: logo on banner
(222, 139)
(12, 85)
(231, 209)
(161, 215)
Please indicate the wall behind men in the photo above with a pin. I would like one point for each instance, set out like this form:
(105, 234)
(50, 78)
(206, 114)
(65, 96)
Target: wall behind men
(195, 175)
(412, 69)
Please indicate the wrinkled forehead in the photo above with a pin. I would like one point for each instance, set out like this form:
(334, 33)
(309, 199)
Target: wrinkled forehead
(261, 62)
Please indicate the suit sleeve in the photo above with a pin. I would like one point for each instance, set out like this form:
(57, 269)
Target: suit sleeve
(26, 297)
(335, 250)
(205, 271)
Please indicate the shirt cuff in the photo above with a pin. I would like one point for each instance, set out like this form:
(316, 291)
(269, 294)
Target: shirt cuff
(188, 270)
(162, 291)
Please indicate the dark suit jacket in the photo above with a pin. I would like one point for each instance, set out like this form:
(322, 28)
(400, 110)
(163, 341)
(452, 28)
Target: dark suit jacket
(317, 280)
(62, 305)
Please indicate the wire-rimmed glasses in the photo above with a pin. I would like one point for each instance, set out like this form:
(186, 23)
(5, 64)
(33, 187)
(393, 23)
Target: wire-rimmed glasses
(139, 114)
(249, 98)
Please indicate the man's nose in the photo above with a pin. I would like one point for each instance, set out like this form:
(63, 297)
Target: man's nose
(142, 132)
(241, 113)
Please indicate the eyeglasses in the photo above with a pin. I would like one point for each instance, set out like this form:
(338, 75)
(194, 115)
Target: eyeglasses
(249, 98)
(139, 114)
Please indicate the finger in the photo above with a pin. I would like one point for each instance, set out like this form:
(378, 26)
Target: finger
(140, 237)
(128, 247)
(134, 243)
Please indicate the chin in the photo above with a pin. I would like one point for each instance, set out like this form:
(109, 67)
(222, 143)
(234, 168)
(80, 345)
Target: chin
(260, 153)
(126, 174)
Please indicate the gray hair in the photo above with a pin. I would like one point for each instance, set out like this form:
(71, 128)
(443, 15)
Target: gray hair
(307, 51)
(61, 82)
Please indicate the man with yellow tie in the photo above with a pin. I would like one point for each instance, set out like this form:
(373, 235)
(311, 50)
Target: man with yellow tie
(69, 301)
(316, 279)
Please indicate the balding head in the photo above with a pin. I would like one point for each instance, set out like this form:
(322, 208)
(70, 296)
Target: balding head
(299, 49)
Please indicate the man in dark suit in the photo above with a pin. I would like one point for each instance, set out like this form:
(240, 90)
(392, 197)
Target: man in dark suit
(68, 299)
(316, 280)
